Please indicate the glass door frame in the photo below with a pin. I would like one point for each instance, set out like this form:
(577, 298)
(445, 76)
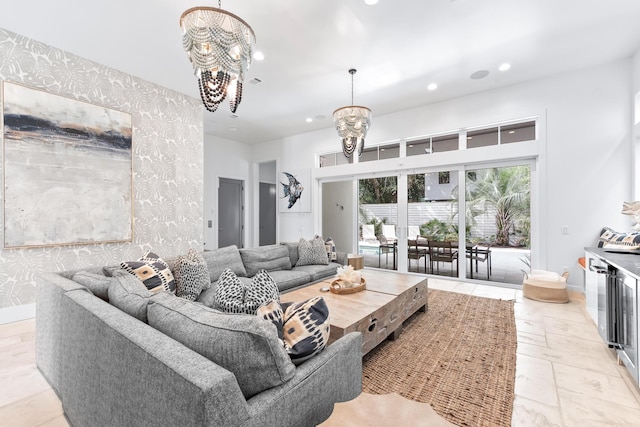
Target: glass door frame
(403, 205)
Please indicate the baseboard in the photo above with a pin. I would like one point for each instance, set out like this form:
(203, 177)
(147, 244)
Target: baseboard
(17, 313)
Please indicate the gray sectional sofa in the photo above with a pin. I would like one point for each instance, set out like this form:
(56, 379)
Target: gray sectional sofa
(111, 369)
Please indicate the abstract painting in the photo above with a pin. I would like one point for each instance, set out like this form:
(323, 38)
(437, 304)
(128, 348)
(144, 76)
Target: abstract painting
(67, 170)
(295, 191)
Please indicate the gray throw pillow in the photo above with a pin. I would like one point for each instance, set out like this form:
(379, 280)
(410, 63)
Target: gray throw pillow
(245, 345)
(129, 294)
(312, 252)
(96, 283)
(191, 275)
(220, 259)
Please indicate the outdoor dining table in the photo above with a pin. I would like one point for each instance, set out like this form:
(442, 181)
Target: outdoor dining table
(470, 248)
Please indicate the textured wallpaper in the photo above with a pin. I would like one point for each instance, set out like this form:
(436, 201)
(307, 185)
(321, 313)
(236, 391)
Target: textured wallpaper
(167, 163)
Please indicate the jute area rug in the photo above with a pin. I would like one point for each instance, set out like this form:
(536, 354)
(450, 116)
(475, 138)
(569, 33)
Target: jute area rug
(459, 356)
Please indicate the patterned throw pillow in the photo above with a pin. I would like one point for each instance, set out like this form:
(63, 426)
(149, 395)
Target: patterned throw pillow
(613, 239)
(305, 326)
(191, 275)
(312, 252)
(153, 271)
(306, 329)
(330, 247)
(233, 296)
(272, 311)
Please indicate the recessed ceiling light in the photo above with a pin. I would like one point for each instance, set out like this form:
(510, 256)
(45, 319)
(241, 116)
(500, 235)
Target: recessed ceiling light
(309, 120)
(370, 2)
(410, 145)
(258, 55)
(511, 132)
(480, 74)
(504, 67)
(432, 86)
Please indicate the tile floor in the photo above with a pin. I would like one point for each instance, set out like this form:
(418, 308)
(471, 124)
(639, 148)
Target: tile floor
(565, 375)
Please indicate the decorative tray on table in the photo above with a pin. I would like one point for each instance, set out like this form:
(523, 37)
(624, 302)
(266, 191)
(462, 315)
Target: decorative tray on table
(339, 287)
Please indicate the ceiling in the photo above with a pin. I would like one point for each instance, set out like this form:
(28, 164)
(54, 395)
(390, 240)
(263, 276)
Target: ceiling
(398, 47)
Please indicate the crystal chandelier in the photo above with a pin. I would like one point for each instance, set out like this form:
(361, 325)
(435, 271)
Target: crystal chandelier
(218, 44)
(352, 123)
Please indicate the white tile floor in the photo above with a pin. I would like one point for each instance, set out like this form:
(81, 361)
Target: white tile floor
(565, 375)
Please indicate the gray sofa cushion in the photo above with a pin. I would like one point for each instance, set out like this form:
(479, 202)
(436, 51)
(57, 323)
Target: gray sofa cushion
(270, 258)
(129, 294)
(293, 251)
(96, 283)
(206, 297)
(317, 272)
(219, 259)
(246, 345)
(287, 279)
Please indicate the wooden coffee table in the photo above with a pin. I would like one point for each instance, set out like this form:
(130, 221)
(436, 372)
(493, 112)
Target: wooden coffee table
(377, 312)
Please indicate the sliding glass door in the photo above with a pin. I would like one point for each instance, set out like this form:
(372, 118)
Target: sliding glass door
(498, 217)
(378, 221)
(465, 222)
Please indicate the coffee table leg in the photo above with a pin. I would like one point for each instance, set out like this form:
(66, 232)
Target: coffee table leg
(395, 334)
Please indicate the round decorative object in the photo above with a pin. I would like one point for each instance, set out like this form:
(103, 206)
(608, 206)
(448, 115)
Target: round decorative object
(339, 287)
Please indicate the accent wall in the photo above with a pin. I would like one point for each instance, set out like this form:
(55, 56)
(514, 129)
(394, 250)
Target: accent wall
(167, 165)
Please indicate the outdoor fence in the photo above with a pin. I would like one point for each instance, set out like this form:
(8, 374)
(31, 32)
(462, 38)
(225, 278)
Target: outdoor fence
(421, 213)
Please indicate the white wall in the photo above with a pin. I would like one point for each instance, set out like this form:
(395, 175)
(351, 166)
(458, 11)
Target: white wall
(584, 149)
(636, 120)
(339, 214)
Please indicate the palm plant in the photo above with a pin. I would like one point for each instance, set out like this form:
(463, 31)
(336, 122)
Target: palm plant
(507, 190)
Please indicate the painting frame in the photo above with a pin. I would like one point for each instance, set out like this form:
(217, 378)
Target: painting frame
(294, 190)
(67, 170)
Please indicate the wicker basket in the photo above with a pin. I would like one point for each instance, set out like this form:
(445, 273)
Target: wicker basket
(337, 287)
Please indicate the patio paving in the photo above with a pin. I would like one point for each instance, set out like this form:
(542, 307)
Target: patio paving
(506, 265)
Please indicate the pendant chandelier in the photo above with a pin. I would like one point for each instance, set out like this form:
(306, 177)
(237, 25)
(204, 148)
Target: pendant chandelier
(352, 123)
(219, 45)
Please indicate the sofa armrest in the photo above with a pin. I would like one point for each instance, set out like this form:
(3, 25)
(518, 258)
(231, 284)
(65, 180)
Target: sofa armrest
(342, 258)
(334, 375)
(120, 371)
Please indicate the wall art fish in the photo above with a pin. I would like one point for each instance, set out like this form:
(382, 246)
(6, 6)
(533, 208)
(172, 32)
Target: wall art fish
(292, 190)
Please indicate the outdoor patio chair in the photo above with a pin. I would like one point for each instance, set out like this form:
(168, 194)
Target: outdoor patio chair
(413, 232)
(481, 253)
(417, 252)
(368, 233)
(442, 252)
(387, 247)
(389, 233)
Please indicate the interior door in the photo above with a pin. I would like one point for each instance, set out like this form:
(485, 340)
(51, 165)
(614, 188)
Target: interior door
(230, 213)
(267, 219)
